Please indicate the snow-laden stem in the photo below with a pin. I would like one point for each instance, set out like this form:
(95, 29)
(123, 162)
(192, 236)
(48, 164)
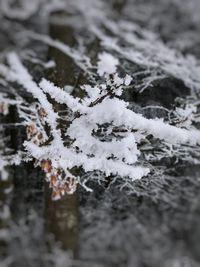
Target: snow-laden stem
(100, 111)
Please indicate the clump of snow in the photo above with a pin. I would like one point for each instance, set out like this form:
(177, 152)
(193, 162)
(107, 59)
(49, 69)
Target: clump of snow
(3, 172)
(107, 64)
(127, 80)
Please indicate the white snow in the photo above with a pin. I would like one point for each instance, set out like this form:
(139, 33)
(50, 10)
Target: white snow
(107, 64)
(120, 156)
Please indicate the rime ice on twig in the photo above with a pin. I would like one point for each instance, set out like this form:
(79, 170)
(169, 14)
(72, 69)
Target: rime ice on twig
(100, 111)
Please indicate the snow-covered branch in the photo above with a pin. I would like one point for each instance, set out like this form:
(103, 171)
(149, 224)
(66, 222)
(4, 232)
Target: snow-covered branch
(81, 144)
